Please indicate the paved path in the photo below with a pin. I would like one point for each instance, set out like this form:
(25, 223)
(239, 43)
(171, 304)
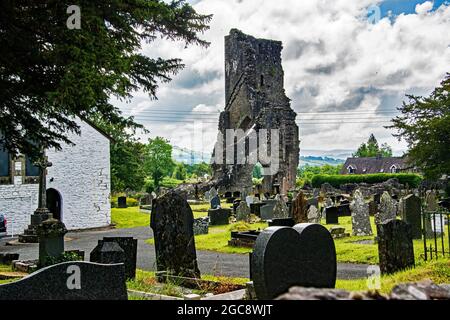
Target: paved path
(232, 265)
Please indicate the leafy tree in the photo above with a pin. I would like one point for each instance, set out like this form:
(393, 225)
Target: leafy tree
(198, 169)
(307, 172)
(425, 125)
(372, 149)
(50, 74)
(180, 172)
(158, 159)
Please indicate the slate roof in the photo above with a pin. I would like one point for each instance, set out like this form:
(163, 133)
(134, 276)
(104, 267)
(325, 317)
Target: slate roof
(374, 165)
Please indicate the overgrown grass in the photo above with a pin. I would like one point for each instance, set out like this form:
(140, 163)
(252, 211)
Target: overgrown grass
(436, 271)
(129, 218)
(146, 282)
(6, 268)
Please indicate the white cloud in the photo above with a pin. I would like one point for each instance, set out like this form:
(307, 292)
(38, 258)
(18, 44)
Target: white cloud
(422, 8)
(334, 60)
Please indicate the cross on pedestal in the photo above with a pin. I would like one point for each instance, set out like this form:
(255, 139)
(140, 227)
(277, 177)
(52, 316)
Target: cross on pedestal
(42, 213)
(42, 164)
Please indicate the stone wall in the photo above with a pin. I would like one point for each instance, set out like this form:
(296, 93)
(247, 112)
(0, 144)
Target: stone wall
(81, 175)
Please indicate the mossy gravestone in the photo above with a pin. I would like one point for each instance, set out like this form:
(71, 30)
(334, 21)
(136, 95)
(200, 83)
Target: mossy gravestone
(283, 257)
(172, 223)
(395, 246)
(51, 240)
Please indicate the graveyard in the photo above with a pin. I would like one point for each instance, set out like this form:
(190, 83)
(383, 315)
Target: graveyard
(238, 179)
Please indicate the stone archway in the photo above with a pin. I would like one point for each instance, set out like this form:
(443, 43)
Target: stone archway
(54, 203)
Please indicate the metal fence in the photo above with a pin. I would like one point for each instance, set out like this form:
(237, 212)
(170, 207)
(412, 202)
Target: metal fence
(436, 234)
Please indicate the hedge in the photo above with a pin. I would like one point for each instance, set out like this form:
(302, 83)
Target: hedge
(413, 180)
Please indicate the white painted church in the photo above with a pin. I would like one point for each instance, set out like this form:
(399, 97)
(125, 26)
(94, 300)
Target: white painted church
(78, 183)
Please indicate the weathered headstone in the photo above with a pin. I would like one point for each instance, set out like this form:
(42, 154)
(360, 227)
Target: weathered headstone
(267, 209)
(70, 281)
(411, 213)
(331, 215)
(299, 208)
(201, 226)
(284, 257)
(313, 215)
(219, 217)
(395, 246)
(249, 200)
(280, 211)
(129, 246)
(431, 206)
(387, 209)
(51, 240)
(172, 223)
(360, 215)
(243, 212)
(122, 202)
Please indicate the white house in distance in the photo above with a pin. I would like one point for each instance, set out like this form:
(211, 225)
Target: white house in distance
(78, 183)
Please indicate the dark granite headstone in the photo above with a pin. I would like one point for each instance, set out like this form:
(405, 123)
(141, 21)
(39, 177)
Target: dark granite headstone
(219, 217)
(172, 223)
(107, 253)
(411, 213)
(344, 210)
(282, 222)
(284, 257)
(70, 281)
(395, 246)
(215, 202)
(129, 246)
(331, 215)
(8, 258)
(122, 202)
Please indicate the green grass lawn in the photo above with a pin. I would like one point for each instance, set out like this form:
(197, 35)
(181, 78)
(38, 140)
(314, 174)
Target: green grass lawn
(129, 218)
(437, 271)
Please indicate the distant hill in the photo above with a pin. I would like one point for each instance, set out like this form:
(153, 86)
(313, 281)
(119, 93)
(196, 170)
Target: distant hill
(188, 156)
(193, 157)
(317, 161)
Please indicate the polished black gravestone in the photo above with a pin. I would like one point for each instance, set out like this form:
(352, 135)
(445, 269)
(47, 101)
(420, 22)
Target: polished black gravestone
(332, 215)
(284, 257)
(122, 202)
(344, 210)
(70, 281)
(219, 217)
(395, 246)
(107, 253)
(129, 246)
(282, 222)
(172, 223)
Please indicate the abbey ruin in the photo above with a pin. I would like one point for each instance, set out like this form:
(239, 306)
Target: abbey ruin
(255, 101)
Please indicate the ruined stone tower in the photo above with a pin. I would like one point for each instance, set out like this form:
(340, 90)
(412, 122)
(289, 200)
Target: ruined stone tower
(255, 99)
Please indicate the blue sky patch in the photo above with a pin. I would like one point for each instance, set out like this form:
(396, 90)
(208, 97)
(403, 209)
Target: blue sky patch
(404, 6)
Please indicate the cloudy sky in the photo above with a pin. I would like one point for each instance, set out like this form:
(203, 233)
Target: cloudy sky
(345, 70)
